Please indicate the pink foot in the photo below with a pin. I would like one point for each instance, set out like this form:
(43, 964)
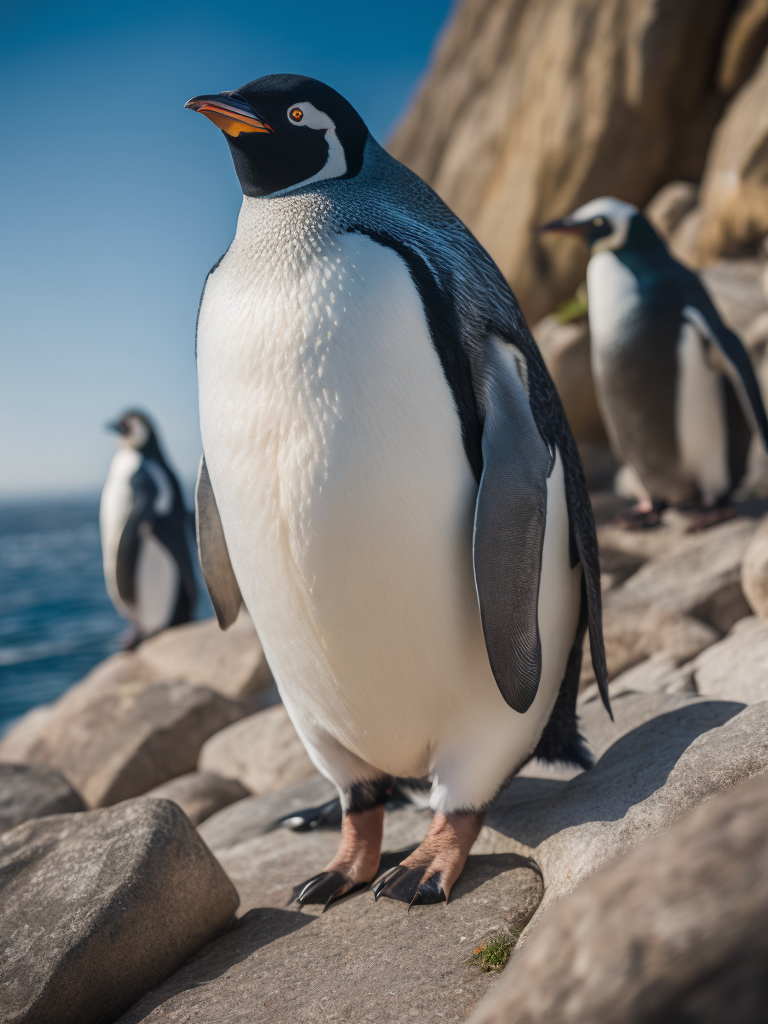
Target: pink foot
(356, 861)
(429, 873)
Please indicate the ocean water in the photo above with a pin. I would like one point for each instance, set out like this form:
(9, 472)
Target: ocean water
(56, 621)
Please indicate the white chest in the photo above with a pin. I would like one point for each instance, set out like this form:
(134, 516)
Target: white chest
(335, 454)
(614, 296)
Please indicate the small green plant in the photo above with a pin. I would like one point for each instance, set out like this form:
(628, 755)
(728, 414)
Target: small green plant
(493, 956)
(574, 308)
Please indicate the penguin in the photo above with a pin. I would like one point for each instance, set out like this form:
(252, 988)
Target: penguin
(388, 483)
(142, 520)
(675, 387)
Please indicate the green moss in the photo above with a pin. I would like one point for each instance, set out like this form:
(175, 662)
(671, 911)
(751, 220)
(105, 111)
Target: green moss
(493, 956)
(574, 308)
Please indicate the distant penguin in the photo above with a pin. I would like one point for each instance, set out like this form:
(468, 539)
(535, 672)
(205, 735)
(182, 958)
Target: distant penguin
(142, 519)
(675, 386)
(389, 482)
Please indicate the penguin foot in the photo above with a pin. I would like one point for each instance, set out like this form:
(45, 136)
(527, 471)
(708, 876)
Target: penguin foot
(326, 816)
(711, 517)
(356, 861)
(429, 873)
(644, 516)
(406, 885)
(327, 887)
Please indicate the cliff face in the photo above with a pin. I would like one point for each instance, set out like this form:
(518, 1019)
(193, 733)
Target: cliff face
(530, 108)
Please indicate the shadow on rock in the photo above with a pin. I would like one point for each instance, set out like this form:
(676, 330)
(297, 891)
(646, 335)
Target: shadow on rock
(638, 764)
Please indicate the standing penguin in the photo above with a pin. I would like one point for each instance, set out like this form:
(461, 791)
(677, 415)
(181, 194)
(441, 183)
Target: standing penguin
(675, 386)
(389, 482)
(142, 519)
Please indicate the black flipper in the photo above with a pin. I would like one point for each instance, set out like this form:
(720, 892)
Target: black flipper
(701, 312)
(510, 517)
(214, 556)
(140, 521)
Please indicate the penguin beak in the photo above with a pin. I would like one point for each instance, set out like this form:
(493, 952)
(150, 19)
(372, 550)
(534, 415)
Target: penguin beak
(234, 116)
(565, 226)
(117, 427)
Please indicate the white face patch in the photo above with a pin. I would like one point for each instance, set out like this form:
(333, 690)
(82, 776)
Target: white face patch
(314, 119)
(618, 214)
(138, 433)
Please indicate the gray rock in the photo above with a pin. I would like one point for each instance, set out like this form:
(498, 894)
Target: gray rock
(118, 741)
(28, 791)
(200, 794)
(674, 931)
(754, 570)
(633, 633)
(256, 815)
(262, 751)
(665, 754)
(565, 348)
(96, 908)
(737, 667)
(670, 204)
(230, 662)
(361, 961)
(700, 578)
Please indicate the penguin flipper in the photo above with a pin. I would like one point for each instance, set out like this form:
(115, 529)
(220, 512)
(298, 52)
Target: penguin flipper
(214, 556)
(139, 521)
(704, 317)
(510, 518)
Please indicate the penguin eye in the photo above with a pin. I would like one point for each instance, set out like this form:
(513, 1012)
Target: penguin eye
(296, 114)
(598, 222)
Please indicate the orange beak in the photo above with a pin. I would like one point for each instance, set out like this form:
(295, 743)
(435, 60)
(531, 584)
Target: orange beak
(234, 116)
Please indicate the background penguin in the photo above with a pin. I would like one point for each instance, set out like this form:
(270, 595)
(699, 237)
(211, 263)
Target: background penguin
(142, 519)
(389, 482)
(675, 386)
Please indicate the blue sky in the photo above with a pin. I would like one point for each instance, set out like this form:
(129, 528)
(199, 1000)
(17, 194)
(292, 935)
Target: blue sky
(115, 201)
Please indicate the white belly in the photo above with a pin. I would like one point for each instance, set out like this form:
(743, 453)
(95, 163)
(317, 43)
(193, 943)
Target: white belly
(335, 454)
(115, 507)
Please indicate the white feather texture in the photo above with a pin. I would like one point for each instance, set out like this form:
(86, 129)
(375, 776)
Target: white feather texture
(335, 453)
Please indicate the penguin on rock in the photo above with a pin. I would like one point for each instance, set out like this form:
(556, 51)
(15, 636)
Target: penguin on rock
(143, 524)
(676, 388)
(389, 482)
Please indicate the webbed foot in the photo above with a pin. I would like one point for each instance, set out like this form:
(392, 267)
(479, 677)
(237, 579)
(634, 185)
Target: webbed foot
(429, 873)
(356, 861)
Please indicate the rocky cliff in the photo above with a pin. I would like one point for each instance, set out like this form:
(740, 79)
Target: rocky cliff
(529, 109)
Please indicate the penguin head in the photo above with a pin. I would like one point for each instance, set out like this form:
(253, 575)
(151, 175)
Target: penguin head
(135, 430)
(285, 131)
(604, 223)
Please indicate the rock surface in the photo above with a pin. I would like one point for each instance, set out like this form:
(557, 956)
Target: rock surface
(113, 742)
(262, 751)
(230, 662)
(734, 188)
(256, 815)
(737, 667)
(666, 754)
(674, 931)
(530, 109)
(361, 961)
(754, 570)
(200, 794)
(95, 908)
(33, 791)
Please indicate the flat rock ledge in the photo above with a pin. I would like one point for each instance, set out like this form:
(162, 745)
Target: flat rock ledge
(673, 931)
(97, 907)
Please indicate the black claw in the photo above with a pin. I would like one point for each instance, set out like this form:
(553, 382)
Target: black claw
(401, 884)
(430, 891)
(326, 888)
(383, 880)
